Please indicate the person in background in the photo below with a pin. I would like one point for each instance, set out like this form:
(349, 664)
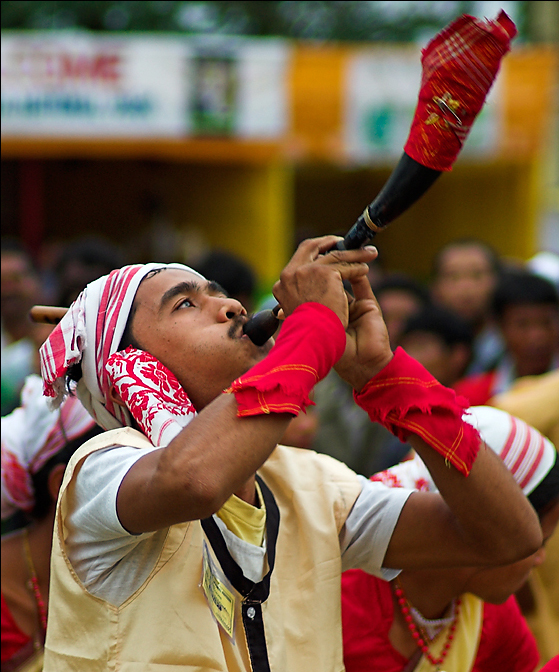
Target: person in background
(526, 307)
(232, 273)
(21, 338)
(461, 619)
(344, 430)
(463, 279)
(441, 340)
(400, 296)
(36, 446)
(82, 261)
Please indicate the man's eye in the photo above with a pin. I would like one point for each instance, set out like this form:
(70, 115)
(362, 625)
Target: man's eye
(185, 303)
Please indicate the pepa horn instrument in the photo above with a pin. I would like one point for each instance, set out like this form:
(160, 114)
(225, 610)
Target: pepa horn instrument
(459, 67)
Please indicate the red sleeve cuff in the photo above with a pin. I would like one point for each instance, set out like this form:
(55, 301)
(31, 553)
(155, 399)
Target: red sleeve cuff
(405, 398)
(310, 342)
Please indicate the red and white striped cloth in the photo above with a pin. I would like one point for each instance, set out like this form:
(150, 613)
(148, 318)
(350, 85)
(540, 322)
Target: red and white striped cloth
(31, 435)
(90, 333)
(526, 452)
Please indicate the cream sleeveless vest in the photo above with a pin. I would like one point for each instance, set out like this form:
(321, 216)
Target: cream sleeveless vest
(167, 623)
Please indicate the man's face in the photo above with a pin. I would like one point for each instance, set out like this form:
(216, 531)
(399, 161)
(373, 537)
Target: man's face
(397, 306)
(465, 282)
(192, 328)
(431, 351)
(19, 286)
(531, 333)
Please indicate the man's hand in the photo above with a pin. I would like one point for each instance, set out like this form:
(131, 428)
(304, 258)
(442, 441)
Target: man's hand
(312, 275)
(368, 346)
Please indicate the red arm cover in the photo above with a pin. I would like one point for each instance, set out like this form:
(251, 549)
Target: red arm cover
(310, 342)
(405, 398)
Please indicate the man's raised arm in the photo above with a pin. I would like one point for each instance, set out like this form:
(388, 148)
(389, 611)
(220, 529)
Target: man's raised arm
(481, 516)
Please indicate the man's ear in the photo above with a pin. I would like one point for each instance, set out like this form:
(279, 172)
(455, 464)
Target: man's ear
(115, 397)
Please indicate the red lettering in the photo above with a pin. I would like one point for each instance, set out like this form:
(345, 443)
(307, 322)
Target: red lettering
(104, 68)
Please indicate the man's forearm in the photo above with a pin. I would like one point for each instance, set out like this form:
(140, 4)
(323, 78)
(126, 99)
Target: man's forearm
(494, 517)
(199, 470)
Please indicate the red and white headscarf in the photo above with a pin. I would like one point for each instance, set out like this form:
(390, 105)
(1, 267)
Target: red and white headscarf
(31, 435)
(526, 452)
(90, 333)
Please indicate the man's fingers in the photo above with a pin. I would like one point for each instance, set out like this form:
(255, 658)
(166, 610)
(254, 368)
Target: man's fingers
(362, 290)
(311, 248)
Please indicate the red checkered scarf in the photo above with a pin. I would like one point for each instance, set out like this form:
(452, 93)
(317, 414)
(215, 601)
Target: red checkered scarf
(31, 435)
(90, 333)
(527, 454)
(459, 67)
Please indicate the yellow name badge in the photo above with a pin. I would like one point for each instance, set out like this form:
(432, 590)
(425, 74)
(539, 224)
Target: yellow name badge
(220, 599)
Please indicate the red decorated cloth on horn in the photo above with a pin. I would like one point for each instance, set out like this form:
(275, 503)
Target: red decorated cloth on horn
(459, 67)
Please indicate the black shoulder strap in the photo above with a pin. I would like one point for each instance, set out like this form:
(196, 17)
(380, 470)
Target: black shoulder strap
(253, 593)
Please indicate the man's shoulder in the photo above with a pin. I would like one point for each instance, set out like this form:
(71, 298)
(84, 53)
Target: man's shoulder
(122, 436)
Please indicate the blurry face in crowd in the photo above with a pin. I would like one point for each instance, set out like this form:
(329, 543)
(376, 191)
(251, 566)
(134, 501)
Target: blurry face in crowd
(465, 282)
(192, 328)
(75, 277)
(397, 306)
(19, 286)
(497, 584)
(531, 334)
(445, 363)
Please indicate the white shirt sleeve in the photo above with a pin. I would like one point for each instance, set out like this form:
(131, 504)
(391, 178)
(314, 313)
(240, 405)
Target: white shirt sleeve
(369, 527)
(96, 540)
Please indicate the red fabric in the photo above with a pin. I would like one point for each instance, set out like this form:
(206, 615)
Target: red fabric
(405, 398)
(459, 66)
(552, 665)
(506, 640)
(506, 643)
(310, 342)
(13, 639)
(477, 389)
(152, 394)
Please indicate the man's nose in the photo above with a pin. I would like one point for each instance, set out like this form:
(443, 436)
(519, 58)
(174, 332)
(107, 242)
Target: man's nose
(230, 308)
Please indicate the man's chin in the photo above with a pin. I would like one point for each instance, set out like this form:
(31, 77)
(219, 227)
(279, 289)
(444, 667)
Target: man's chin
(267, 346)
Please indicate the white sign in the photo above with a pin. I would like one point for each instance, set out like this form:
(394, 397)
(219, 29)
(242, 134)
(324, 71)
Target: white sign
(77, 85)
(382, 87)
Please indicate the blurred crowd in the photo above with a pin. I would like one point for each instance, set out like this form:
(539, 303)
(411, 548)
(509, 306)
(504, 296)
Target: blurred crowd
(481, 324)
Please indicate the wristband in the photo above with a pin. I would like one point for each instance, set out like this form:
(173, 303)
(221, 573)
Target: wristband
(310, 342)
(405, 398)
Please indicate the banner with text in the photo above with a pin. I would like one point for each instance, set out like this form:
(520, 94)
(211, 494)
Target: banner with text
(77, 85)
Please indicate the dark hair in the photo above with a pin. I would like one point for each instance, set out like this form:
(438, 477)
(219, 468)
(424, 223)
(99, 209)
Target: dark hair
(403, 282)
(546, 493)
(11, 245)
(522, 287)
(449, 326)
(91, 251)
(487, 249)
(94, 256)
(232, 273)
(40, 480)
